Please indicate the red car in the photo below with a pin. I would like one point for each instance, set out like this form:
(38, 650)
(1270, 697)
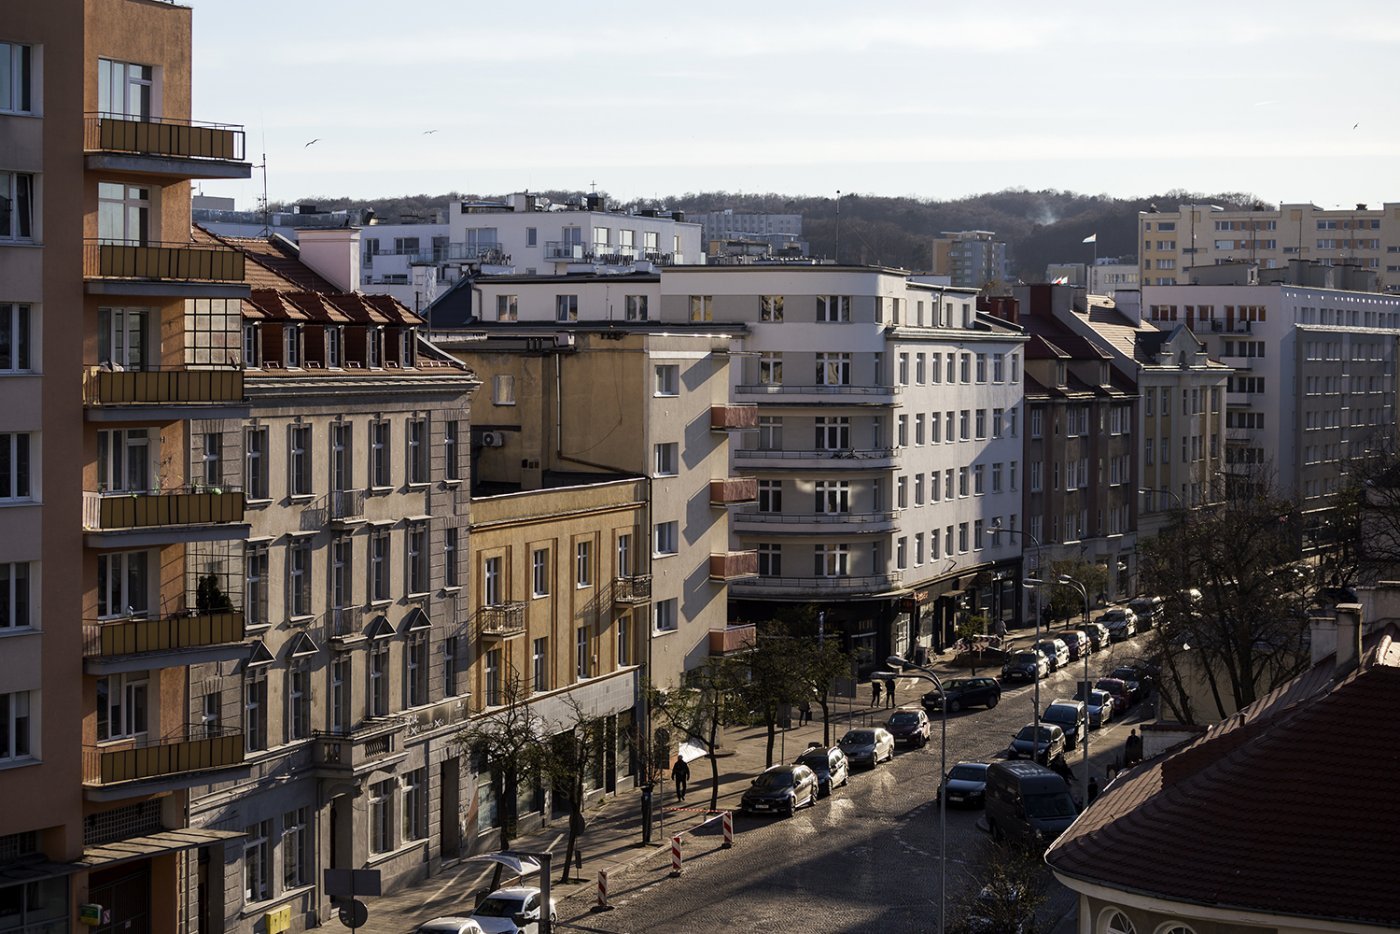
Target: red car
(1122, 697)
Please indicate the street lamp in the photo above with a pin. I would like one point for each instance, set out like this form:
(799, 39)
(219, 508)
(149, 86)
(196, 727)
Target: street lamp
(1083, 592)
(996, 529)
(899, 662)
(1037, 583)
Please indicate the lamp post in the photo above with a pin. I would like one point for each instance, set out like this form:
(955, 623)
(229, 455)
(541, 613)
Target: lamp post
(997, 530)
(1083, 592)
(899, 662)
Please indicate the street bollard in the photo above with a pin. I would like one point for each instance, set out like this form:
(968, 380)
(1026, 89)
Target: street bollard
(728, 829)
(603, 891)
(675, 856)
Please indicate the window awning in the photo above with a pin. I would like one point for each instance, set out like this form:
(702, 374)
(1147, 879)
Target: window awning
(167, 841)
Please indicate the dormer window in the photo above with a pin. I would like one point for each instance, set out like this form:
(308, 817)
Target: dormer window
(1059, 373)
(1103, 374)
(335, 347)
(406, 346)
(291, 345)
(375, 342)
(252, 344)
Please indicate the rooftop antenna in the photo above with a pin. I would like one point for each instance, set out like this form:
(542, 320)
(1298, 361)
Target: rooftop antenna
(266, 228)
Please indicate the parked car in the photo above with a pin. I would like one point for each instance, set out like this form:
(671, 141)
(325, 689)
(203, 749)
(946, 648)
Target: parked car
(909, 725)
(964, 692)
(512, 911)
(1145, 672)
(829, 764)
(1042, 742)
(1121, 623)
(965, 783)
(1097, 633)
(1098, 703)
(1055, 651)
(868, 746)
(781, 789)
(1070, 716)
(1077, 641)
(1025, 666)
(1129, 676)
(1122, 697)
(1027, 803)
(448, 926)
(1149, 610)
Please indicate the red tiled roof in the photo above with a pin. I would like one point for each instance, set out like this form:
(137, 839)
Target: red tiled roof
(1287, 808)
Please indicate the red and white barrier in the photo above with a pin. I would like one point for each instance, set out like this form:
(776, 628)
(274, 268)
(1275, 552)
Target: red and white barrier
(728, 824)
(676, 855)
(603, 890)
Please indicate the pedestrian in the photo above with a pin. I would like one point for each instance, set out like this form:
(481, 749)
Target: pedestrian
(680, 774)
(1093, 789)
(806, 711)
(1132, 749)
(889, 693)
(874, 693)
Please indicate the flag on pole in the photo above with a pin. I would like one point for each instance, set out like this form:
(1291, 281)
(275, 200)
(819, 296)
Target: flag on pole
(1092, 238)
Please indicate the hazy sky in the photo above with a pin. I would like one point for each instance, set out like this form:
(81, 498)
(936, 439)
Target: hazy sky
(1290, 100)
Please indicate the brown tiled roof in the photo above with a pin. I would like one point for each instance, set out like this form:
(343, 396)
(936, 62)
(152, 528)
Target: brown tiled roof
(1286, 808)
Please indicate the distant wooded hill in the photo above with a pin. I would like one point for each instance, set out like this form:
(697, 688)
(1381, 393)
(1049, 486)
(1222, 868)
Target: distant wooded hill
(1041, 227)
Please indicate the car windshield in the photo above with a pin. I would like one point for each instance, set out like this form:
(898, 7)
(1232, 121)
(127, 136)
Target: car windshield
(1024, 658)
(815, 760)
(906, 718)
(1099, 698)
(968, 773)
(1107, 686)
(954, 684)
(1059, 713)
(780, 779)
(1059, 804)
(1127, 674)
(859, 737)
(1028, 733)
(497, 907)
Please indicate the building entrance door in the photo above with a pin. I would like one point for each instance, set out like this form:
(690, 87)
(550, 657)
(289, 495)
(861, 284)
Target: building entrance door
(124, 892)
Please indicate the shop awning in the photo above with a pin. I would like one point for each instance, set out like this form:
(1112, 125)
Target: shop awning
(167, 841)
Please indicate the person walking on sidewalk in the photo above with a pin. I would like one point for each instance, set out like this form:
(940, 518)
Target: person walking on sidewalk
(805, 710)
(680, 774)
(889, 693)
(874, 693)
(1132, 749)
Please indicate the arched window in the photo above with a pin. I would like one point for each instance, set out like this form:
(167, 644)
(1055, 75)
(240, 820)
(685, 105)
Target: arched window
(1115, 922)
(1174, 927)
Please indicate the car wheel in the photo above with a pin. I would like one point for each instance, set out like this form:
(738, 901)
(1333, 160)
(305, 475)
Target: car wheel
(812, 799)
(954, 706)
(992, 701)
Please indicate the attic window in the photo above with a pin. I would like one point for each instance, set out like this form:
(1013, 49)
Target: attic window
(1059, 373)
(1103, 374)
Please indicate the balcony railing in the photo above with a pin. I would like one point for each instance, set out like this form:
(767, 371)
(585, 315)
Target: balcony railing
(502, 620)
(162, 136)
(562, 250)
(882, 517)
(351, 750)
(633, 589)
(106, 512)
(343, 623)
(817, 389)
(103, 385)
(867, 584)
(110, 638)
(733, 565)
(733, 417)
(345, 505)
(455, 252)
(842, 457)
(179, 262)
(731, 490)
(194, 748)
(732, 639)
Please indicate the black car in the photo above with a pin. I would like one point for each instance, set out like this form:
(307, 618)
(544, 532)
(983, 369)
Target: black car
(964, 692)
(965, 783)
(829, 764)
(1137, 688)
(1025, 666)
(780, 790)
(909, 725)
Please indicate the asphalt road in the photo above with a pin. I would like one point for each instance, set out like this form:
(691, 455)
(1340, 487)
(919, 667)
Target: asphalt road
(865, 859)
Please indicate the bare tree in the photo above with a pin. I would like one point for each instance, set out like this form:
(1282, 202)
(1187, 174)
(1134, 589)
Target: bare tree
(712, 698)
(774, 680)
(508, 742)
(817, 658)
(1013, 887)
(573, 753)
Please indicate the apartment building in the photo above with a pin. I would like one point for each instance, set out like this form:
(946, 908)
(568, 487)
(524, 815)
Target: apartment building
(584, 384)
(1207, 234)
(113, 336)
(971, 258)
(1315, 362)
(781, 232)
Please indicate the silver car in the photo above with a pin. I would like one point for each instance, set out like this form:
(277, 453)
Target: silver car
(868, 746)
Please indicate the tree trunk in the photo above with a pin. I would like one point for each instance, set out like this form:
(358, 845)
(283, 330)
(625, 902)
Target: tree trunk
(826, 719)
(714, 764)
(770, 720)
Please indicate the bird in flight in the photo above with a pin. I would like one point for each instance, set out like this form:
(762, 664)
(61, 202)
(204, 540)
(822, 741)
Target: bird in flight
(1355, 125)
(429, 132)
(316, 140)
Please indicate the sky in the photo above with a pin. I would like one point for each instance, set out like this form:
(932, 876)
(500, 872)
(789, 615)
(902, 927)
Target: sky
(1287, 100)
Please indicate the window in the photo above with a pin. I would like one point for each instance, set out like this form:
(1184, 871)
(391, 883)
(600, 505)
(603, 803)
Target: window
(418, 450)
(14, 595)
(298, 700)
(123, 460)
(666, 615)
(919, 430)
(833, 369)
(770, 496)
(665, 538)
(16, 206)
(16, 78)
(14, 722)
(417, 541)
(503, 389)
(451, 450)
(636, 306)
(981, 368)
(996, 478)
(122, 584)
(770, 432)
(381, 816)
(335, 346)
(1118, 923)
(507, 308)
(624, 555)
(252, 344)
(379, 475)
(450, 557)
(962, 481)
(123, 212)
(255, 584)
(491, 582)
(254, 708)
(491, 676)
(770, 369)
(770, 560)
(211, 458)
(415, 810)
(124, 89)
(299, 460)
(1037, 423)
(962, 537)
(666, 459)
(834, 308)
(980, 424)
(624, 639)
(979, 472)
(540, 658)
(539, 572)
(566, 308)
(833, 433)
(668, 379)
(770, 308)
(901, 551)
(299, 577)
(964, 426)
(15, 467)
(415, 669)
(257, 862)
(16, 350)
(340, 693)
(702, 308)
(379, 565)
(291, 346)
(379, 679)
(832, 560)
(583, 564)
(581, 652)
(833, 497)
(918, 489)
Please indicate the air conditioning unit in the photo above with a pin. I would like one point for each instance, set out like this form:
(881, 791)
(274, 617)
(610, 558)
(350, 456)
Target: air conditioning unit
(493, 439)
(563, 339)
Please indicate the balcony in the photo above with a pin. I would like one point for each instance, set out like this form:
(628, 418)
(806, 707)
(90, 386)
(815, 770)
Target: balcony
(150, 765)
(163, 517)
(343, 625)
(814, 523)
(344, 507)
(870, 585)
(819, 393)
(501, 621)
(172, 270)
(634, 589)
(825, 459)
(732, 490)
(376, 743)
(164, 147)
(112, 646)
(562, 251)
(733, 565)
(490, 253)
(732, 639)
(163, 393)
(733, 417)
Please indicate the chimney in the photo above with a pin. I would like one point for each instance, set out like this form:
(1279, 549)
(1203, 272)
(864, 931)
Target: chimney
(1348, 639)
